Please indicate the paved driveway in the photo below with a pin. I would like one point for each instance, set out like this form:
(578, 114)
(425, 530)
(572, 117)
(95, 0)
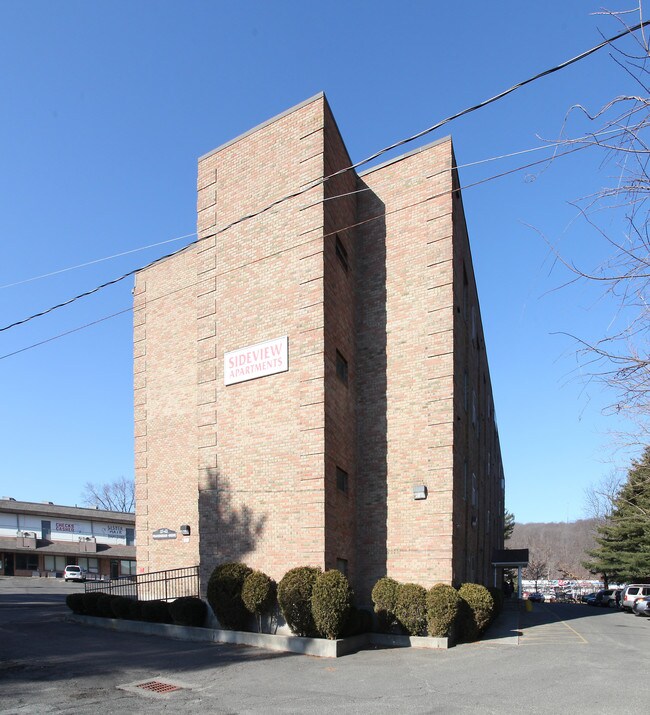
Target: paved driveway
(559, 657)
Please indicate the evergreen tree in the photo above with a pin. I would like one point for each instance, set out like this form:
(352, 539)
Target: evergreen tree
(623, 551)
(508, 524)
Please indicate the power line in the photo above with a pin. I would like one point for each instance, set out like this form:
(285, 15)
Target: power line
(319, 182)
(332, 233)
(96, 260)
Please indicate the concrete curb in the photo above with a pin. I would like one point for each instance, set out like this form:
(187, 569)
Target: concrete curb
(320, 647)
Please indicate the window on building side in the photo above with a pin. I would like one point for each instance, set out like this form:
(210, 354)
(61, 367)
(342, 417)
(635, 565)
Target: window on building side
(342, 566)
(341, 253)
(341, 368)
(474, 491)
(465, 390)
(341, 479)
(474, 415)
(465, 480)
(127, 568)
(465, 293)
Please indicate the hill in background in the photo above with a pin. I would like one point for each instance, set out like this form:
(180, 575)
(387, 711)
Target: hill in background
(561, 545)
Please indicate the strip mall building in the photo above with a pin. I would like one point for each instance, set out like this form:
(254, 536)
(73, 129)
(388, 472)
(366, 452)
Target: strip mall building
(311, 382)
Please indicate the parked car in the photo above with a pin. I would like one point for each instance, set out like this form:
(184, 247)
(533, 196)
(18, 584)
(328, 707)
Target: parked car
(74, 573)
(632, 593)
(589, 598)
(602, 598)
(642, 606)
(536, 597)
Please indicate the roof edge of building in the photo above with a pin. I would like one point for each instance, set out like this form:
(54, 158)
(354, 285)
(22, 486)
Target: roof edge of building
(408, 154)
(320, 95)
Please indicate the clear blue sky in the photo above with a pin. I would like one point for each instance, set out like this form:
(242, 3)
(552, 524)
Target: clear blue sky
(105, 107)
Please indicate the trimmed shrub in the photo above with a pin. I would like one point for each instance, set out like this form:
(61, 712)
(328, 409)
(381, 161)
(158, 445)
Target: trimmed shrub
(384, 598)
(75, 602)
(121, 606)
(331, 599)
(443, 607)
(90, 602)
(498, 598)
(294, 597)
(224, 595)
(480, 605)
(411, 608)
(134, 612)
(188, 611)
(104, 606)
(258, 593)
(155, 611)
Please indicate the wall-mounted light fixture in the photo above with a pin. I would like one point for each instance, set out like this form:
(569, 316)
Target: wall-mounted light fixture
(419, 491)
(185, 529)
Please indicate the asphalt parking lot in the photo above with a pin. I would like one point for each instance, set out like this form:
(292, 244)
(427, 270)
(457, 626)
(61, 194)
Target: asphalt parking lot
(557, 656)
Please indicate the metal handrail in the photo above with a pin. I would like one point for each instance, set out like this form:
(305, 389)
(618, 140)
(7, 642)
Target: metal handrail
(156, 585)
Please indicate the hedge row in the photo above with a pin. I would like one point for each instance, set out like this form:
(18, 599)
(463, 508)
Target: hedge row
(442, 611)
(313, 603)
(187, 611)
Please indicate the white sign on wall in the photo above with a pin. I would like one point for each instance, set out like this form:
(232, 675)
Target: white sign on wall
(267, 358)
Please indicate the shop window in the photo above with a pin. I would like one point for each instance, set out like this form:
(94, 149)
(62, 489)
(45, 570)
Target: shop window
(91, 565)
(127, 568)
(341, 368)
(341, 480)
(54, 563)
(26, 562)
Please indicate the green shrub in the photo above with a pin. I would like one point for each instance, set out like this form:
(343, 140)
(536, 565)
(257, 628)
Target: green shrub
(134, 612)
(224, 595)
(155, 612)
(411, 608)
(104, 606)
(294, 597)
(258, 593)
(90, 602)
(480, 605)
(498, 598)
(121, 606)
(75, 602)
(384, 597)
(331, 599)
(188, 611)
(443, 606)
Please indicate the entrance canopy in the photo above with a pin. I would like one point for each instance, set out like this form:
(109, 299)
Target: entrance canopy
(510, 559)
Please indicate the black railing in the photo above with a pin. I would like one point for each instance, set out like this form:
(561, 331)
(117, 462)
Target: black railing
(157, 585)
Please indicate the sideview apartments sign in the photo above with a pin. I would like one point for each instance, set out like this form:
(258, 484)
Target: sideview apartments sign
(267, 358)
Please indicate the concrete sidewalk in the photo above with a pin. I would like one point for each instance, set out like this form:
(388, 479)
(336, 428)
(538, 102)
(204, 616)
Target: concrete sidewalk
(506, 628)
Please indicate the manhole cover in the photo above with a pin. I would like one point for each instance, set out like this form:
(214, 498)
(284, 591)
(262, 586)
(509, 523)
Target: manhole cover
(155, 686)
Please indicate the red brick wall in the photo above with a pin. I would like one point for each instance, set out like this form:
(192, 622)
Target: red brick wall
(252, 466)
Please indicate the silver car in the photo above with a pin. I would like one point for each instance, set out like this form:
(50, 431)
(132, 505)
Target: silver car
(633, 593)
(642, 606)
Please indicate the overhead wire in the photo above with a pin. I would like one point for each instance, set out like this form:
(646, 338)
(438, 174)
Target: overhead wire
(322, 180)
(326, 235)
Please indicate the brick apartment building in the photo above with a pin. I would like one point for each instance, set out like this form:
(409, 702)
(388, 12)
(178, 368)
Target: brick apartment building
(311, 384)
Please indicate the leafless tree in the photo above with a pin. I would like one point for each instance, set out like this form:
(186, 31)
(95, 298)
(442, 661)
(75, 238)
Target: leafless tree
(618, 217)
(115, 496)
(536, 570)
(600, 497)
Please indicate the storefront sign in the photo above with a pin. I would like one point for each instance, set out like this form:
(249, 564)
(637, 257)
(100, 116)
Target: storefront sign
(164, 534)
(259, 360)
(64, 526)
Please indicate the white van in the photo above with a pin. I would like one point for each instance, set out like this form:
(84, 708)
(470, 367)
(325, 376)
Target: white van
(632, 593)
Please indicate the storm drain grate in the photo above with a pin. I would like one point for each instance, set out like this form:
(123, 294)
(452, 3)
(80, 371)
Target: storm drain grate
(155, 686)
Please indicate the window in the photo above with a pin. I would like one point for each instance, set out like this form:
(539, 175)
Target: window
(474, 491)
(342, 566)
(465, 293)
(127, 568)
(341, 368)
(26, 562)
(341, 480)
(474, 415)
(473, 323)
(91, 565)
(465, 481)
(54, 563)
(341, 253)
